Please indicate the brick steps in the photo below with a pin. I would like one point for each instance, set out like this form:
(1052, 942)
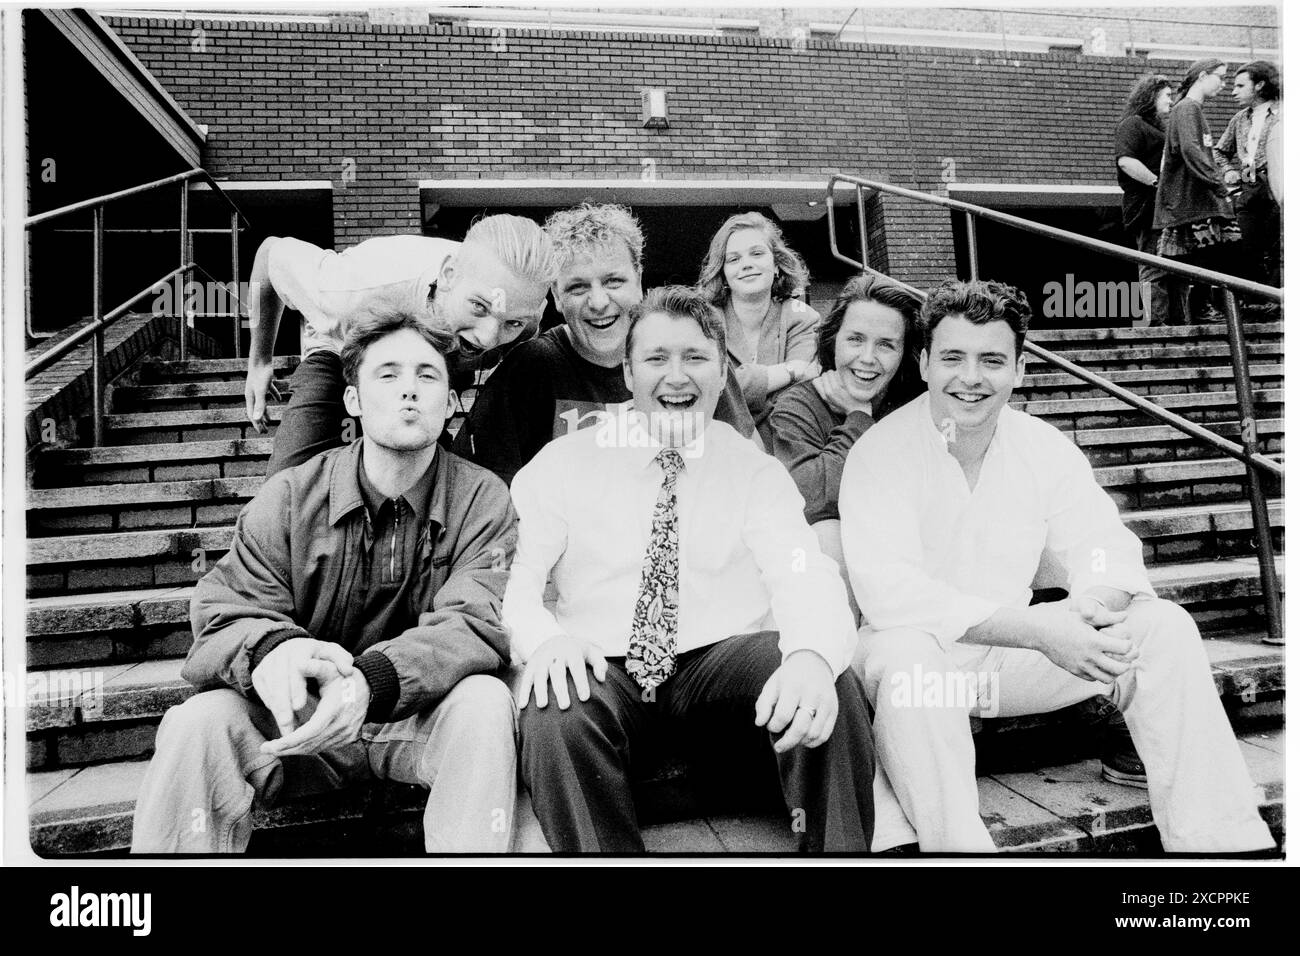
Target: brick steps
(1049, 338)
(1055, 386)
(186, 395)
(67, 564)
(1162, 484)
(1159, 356)
(1061, 808)
(156, 371)
(1085, 413)
(1140, 444)
(173, 461)
(112, 627)
(143, 428)
(203, 501)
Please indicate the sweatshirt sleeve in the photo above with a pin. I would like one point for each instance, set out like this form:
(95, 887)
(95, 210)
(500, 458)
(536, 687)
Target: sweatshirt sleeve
(814, 457)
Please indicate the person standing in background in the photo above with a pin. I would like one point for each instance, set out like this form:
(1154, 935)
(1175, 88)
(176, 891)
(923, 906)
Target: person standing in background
(1243, 157)
(1192, 209)
(1139, 143)
(756, 279)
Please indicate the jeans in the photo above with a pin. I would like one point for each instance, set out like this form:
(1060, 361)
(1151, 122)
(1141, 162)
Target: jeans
(208, 771)
(1156, 283)
(579, 763)
(1202, 797)
(1260, 219)
(315, 419)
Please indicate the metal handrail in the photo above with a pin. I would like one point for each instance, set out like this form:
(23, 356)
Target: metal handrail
(1247, 452)
(100, 321)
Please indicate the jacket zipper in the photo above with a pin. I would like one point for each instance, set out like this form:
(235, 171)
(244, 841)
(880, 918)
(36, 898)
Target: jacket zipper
(392, 544)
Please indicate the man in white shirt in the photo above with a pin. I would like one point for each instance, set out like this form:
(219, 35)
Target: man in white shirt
(693, 592)
(947, 507)
(1243, 155)
(488, 290)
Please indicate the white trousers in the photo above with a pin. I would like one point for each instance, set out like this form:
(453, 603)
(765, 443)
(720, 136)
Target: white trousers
(1202, 797)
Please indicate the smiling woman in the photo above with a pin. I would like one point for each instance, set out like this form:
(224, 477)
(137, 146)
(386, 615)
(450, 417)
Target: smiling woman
(753, 275)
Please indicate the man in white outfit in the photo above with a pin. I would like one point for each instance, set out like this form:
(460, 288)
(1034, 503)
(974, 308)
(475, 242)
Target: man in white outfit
(947, 507)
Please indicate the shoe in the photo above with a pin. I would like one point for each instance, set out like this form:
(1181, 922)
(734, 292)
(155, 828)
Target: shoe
(1119, 760)
(903, 849)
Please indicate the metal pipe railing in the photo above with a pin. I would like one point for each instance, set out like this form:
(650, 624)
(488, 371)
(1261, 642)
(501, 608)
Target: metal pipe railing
(1247, 452)
(100, 320)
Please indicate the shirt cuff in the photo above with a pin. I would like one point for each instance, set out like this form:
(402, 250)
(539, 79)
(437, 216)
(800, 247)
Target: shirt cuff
(381, 674)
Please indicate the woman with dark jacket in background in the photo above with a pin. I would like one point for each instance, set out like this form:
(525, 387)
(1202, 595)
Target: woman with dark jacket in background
(1139, 144)
(869, 344)
(1192, 209)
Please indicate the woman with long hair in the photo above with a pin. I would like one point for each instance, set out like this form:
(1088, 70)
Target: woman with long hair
(1139, 143)
(1193, 214)
(756, 279)
(869, 344)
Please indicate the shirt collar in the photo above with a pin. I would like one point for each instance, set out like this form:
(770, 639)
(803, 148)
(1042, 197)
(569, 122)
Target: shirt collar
(937, 439)
(350, 489)
(642, 447)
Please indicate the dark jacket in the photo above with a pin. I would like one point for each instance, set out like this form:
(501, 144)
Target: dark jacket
(812, 441)
(298, 563)
(1190, 188)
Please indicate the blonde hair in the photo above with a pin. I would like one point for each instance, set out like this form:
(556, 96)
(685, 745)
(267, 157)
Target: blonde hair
(521, 245)
(791, 273)
(584, 227)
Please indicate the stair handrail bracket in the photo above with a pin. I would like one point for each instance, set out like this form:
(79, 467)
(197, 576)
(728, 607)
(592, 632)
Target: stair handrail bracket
(1247, 452)
(100, 320)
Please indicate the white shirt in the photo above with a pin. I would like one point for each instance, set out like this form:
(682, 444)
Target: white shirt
(747, 559)
(925, 550)
(333, 289)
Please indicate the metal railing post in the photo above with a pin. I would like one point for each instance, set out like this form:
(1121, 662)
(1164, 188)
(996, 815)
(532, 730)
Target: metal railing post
(180, 280)
(1250, 443)
(972, 249)
(862, 228)
(234, 279)
(97, 348)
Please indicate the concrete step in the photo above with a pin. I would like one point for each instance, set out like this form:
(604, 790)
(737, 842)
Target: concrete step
(1222, 595)
(80, 564)
(1193, 481)
(112, 627)
(1081, 414)
(1063, 808)
(159, 371)
(1200, 532)
(1055, 386)
(116, 464)
(1158, 356)
(127, 507)
(1128, 335)
(190, 394)
(144, 428)
(1140, 444)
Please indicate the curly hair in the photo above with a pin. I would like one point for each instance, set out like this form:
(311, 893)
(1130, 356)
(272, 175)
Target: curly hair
(872, 287)
(979, 302)
(1262, 71)
(791, 273)
(590, 225)
(1142, 98)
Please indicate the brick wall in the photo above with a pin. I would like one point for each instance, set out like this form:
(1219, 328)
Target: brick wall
(377, 108)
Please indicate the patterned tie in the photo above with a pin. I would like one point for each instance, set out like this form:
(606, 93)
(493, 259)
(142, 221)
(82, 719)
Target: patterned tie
(652, 650)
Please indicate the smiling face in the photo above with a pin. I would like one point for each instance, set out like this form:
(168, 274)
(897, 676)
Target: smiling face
(675, 373)
(595, 291)
(401, 396)
(483, 302)
(1245, 91)
(868, 349)
(970, 371)
(748, 265)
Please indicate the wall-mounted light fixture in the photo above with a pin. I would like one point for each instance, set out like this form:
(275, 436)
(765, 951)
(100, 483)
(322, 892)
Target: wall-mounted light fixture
(654, 108)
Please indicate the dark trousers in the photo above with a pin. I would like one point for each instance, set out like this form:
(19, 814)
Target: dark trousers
(315, 419)
(1261, 234)
(579, 763)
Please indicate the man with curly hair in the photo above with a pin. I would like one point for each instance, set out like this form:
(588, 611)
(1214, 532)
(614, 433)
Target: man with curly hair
(947, 508)
(571, 376)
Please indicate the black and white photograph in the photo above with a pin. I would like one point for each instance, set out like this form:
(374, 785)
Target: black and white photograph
(579, 434)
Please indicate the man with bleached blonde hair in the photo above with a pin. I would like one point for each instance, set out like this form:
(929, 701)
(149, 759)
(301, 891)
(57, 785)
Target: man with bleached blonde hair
(489, 290)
